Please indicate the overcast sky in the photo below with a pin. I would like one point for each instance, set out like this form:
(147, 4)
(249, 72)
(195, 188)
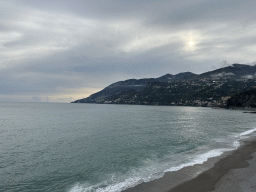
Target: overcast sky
(63, 50)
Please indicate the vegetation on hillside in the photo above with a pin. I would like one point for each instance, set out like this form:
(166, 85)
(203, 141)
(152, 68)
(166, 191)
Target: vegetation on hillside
(187, 93)
(245, 98)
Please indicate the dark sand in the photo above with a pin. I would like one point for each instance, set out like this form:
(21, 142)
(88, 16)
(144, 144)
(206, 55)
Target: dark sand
(219, 174)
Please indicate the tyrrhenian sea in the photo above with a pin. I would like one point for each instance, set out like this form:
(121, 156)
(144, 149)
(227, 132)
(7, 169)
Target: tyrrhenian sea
(53, 147)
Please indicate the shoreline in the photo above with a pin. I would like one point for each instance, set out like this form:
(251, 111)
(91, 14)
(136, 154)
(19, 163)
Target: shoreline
(206, 177)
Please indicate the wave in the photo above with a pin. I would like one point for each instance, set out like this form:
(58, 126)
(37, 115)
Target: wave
(247, 132)
(200, 159)
(116, 185)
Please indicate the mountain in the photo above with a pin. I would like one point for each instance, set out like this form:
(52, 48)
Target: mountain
(180, 85)
(131, 84)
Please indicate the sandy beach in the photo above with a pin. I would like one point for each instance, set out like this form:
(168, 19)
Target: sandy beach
(234, 171)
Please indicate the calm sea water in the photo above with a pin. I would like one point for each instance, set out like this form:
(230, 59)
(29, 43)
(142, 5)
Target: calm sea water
(52, 147)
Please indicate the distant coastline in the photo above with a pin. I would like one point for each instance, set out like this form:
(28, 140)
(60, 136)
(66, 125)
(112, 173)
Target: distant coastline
(232, 86)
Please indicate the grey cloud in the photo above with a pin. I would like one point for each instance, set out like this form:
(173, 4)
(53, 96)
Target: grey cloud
(55, 48)
(203, 13)
(222, 74)
(248, 76)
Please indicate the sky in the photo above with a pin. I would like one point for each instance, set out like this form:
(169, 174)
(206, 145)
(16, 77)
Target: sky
(64, 50)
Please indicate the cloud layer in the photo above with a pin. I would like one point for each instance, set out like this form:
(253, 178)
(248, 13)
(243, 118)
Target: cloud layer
(65, 50)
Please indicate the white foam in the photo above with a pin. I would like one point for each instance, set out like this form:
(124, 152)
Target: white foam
(122, 185)
(117, 187)
(236, 144)
(213, 153)
(199, 159)
(247, 132)
(83, 188)
(116, 182)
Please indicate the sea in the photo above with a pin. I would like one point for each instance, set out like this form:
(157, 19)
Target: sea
(64, 147)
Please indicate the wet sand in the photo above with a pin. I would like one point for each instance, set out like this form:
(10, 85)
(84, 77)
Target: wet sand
(233, 171)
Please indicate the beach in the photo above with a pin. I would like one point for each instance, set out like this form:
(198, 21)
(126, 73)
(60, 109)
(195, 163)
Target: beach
(233, 171)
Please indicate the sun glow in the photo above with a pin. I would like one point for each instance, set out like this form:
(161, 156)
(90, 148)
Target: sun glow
(191, 43)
